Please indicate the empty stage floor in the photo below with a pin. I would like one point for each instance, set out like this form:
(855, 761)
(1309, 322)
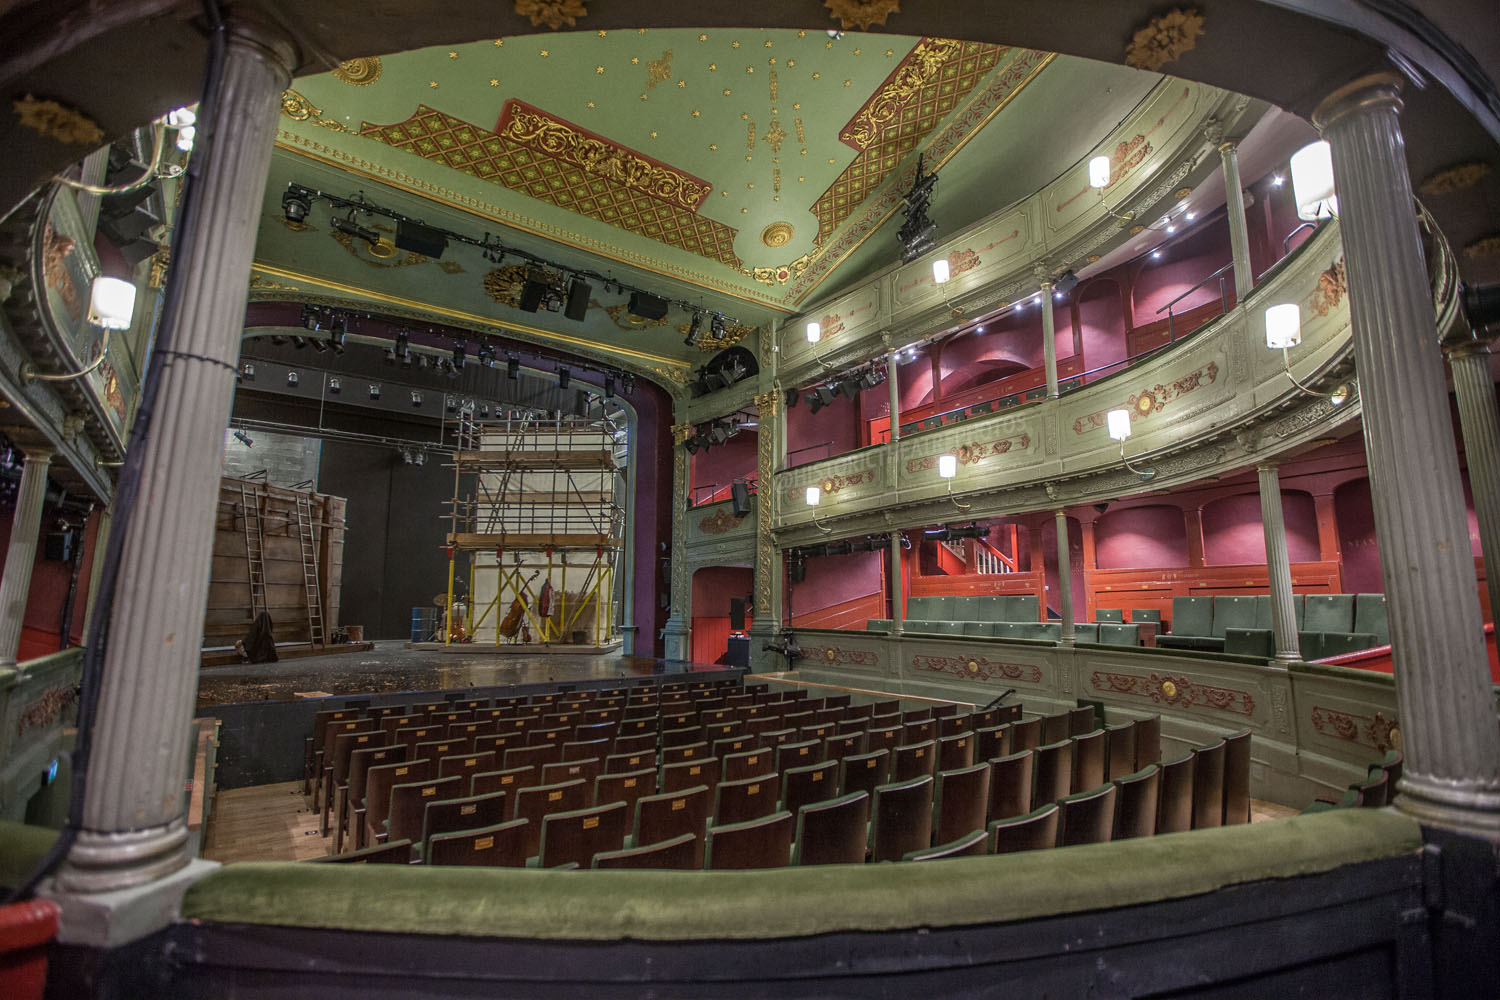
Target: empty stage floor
(391, 667)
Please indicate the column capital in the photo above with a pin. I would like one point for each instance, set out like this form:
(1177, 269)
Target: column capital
(40, 455)
(1267, 466)
(1228, 146)
(1371, 91)
(252, 28)
(1470, 343)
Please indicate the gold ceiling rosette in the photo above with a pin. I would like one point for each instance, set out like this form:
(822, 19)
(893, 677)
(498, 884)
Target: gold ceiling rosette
(862, 13)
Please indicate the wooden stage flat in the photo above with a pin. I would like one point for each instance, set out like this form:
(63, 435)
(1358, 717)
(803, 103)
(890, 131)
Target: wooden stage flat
(263, 823)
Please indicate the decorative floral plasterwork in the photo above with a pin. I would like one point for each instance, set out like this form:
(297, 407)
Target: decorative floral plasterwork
(300, 109)
(768, 404)
(503, 284)
(1178, 691)
(979, 668)
(1164, 38)
(1379, 732)
(681, 432)
(46, 709)
(1332, 284)
(969, 454)
(1454, 178)
(553, 13)
(833, 654)
(862, 13)
(1153, 400)
(719, 522)
(358, 72)
(832, 484)
(777, 234)
(54, 121)
(626, 320)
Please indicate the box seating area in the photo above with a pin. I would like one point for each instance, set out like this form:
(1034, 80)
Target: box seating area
(1327, 624)
(1106, 633)
(1378, 788)
(711, 774)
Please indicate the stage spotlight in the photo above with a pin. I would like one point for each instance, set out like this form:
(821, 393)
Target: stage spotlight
(291, 379)
(486, 355)
(693, 445)
(296, 205)
(244, 438)
(416, 398)
(335, 386)
(390, 355)
(849, 387)
(719, 432)
(460, 355)
(791, 398)
(278, 340)
(354, 229)
(403, 344)
(299, 342)
(512, 366)
(247, 372)
(319, 345)
(564, 378)
(609, 386)
(374, 391)
(716, 326)
(797, 570)
(337, 332)
(695, 330)
(423, 361)
(627, 383)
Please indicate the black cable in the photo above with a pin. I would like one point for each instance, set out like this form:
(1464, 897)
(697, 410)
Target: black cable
(128, 489)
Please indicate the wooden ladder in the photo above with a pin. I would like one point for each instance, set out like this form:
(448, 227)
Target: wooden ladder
(255, 546)
(309, 546)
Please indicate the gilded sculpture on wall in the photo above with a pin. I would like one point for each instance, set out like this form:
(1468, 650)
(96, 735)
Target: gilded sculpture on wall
(553, 13)
(1164, 38)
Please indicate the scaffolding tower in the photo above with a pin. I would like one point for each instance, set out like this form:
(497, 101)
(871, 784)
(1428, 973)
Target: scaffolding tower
(536, 509)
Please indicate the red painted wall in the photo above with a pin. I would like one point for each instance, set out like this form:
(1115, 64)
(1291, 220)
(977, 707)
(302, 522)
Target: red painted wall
(1182, 265)
(837, 579)
(1141, 538)
(721, 465)
(806, 431)
(1075, 557)
(713, 586)
(49, 588)
(1233, 536)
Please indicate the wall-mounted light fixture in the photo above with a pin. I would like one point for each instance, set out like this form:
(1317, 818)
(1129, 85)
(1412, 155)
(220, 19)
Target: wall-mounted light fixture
(814, 496)
(1312, 182)
(1283, 332)
(111, 307)
(948, 468)
(1119, 429)
(1099, 174)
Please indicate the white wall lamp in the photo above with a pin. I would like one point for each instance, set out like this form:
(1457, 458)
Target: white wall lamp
(814, 333)
(814, 496)
(940, 275)
(1099, 169)
(111, 307)
(1312, 183)
(1283, 332)
(948, 468)
(1119, 429)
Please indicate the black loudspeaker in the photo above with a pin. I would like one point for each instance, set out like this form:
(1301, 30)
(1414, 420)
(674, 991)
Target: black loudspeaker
(740, 494)
(578, 299)
(531, 295)
(737, 614)
(647, 306)
(58, 546)
(420, 239)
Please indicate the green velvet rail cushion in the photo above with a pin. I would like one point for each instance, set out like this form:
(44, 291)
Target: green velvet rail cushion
(784, 902)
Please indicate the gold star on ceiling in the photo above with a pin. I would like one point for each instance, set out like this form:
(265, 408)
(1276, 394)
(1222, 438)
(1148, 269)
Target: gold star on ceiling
(591, 104)
(790, 63)
(744, 211)
(848, 82)
(856, 51)
(643, 97)
(640, 31)
(603, 33)
(544, 53)
(749, 69)
(712, 67)
(768, 43)
(827, 45)
(432, 84)
(734, 45)
(453, 55)
(889, 53)
(702, 38)
(797, 106)
(801, 34)
(599, 70)
(713, 146)
(801, 179)
(653, 134)
(494, 82)
(635, 60)
(744, 115)
(772, 61)
(696, 113)
(751, 186)
(726, 91)
(817, 76)
(681, 84)
(499, 42)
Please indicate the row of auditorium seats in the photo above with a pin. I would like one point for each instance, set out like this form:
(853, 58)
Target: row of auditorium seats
(1378, 788)
(780, 790)
(1327, 624)
(974, 608)
(1108, 633)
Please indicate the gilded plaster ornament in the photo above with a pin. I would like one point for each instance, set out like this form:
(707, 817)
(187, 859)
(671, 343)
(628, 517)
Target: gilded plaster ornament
(1489, 246)
(681, 433)
(862, 13)
(54, 121)
(358, 72)
(777, 234)
(300, 109)
(553, 13)
(708, 343)
(1164, 38)
(503, 284)
(1454, 178)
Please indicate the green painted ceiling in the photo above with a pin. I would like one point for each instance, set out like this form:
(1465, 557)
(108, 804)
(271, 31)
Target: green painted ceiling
(746, 170)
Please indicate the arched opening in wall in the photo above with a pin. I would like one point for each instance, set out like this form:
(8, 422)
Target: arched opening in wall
(1181, 286)
(1146, 537)
(979, 376)
(1359, 550)
(722, 603)
(1234, 535)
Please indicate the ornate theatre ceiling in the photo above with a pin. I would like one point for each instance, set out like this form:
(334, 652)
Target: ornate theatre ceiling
(748, 171)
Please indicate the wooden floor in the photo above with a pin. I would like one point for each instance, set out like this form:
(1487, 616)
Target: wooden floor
(273, 823)
(263, 823)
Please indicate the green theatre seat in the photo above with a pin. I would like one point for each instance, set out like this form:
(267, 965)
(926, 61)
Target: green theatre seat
(1329, 613)
(1145, 615)
(1338, 643)
(976, 628)
(1192, 624)
(1085, 632)
(1020, 608)
(878, 625)
(1250, 642)
(1233, 612)
(1311, 645)
(1119, 635)
(1109, 615)
(1370, 616)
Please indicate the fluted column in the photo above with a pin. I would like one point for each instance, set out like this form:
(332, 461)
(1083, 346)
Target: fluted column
(133, 828)
(25, 527)
(676, 633)
(1064, 578)
(1239, 236)
(1278, 565)
(1049, 341)
(767, 556)
(1479, 421)
(1447, 722)
(898, 598)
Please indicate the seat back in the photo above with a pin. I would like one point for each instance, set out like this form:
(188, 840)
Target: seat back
(1208, 786)
(748, 798)
(688, 773)
(467, 813)
(362, 760)
(1146, 615)
(1011, 780)
(834, 831)
(466, 765)
(882, 738)
(671, 814)
(810, 783)
(576, 836)
(1232, 611)
(1057, 727)
(680, 853)
(616, 763)
(1120, 753)
(971, 845)
(1147, 741)
(955, 751)
(798, 754)
(378, 783)
(992, 742)
(1370, 617)
(1054, 772)
(902, 818)
(1136, 803)
(1375, 789)
(1083, 719)
(1089, 753)
(500, 846)
(1329, 613)
(1119, 635)
(912, 761)
(397, 852)
(567, 770)
(409, 805)
(1175, 798)
(961, 802)
(540, 800)
(1192, 616)
(1337, 643)
(1237, 778)
(1033, 831)
(1088, 817)
(1109, 614)
(509, 781)
(864, 772)
(845, 745)
(758, 843)
(626, 786)
(1250, 642)
(1025, 734)
(527, 756)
